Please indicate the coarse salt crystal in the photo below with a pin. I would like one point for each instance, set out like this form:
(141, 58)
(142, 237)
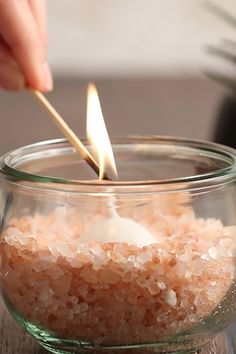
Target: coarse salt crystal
(15, 236)
(83, 306)
(142, 282)
(184, 258)
(188, 274)
(171, 298)
(61, 248)
(83, 248)
(225, 242)
(144, 257)
(96, 250)
(213, 252)
(76, 309)
(161, 285)
(40, 266)
(131, 259)
(99, 262)
(205, 257)
(76, 263)
(45, 294)
(70, 314)
(56, 273)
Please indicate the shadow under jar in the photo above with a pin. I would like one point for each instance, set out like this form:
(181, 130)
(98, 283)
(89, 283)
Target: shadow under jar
(170, 295)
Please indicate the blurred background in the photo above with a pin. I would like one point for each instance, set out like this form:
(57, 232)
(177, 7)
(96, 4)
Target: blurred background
(147, 59)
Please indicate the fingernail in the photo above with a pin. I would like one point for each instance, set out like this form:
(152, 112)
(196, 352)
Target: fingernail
(11, 77)
(47, 77)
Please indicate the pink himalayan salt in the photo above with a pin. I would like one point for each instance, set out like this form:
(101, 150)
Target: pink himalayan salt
(116, 293)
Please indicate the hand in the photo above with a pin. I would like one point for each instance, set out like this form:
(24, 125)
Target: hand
(23, 43)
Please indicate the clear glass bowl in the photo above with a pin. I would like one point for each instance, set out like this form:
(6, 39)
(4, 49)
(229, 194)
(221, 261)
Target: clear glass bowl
(170, 289)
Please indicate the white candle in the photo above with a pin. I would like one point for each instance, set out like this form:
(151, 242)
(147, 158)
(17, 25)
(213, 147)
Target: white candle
(118, 229)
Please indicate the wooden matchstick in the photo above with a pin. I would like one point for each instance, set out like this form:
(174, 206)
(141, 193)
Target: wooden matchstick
(67, 131)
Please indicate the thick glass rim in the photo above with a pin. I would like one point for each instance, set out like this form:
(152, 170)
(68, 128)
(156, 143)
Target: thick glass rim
(217, 177)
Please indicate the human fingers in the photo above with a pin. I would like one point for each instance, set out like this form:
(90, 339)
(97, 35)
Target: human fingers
(38, 8)
(20, 31)
(11, 77)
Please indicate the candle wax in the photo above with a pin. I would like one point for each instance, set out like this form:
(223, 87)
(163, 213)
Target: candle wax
(118, 229)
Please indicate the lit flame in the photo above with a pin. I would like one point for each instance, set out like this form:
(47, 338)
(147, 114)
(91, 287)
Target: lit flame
(97, 132)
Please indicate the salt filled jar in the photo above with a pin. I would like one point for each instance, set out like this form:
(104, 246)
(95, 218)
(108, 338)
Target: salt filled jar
(142, 264)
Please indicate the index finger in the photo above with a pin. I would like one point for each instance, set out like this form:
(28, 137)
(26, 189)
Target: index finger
(38, 8)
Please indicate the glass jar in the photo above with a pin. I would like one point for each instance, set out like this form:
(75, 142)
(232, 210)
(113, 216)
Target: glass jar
(142, 264)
